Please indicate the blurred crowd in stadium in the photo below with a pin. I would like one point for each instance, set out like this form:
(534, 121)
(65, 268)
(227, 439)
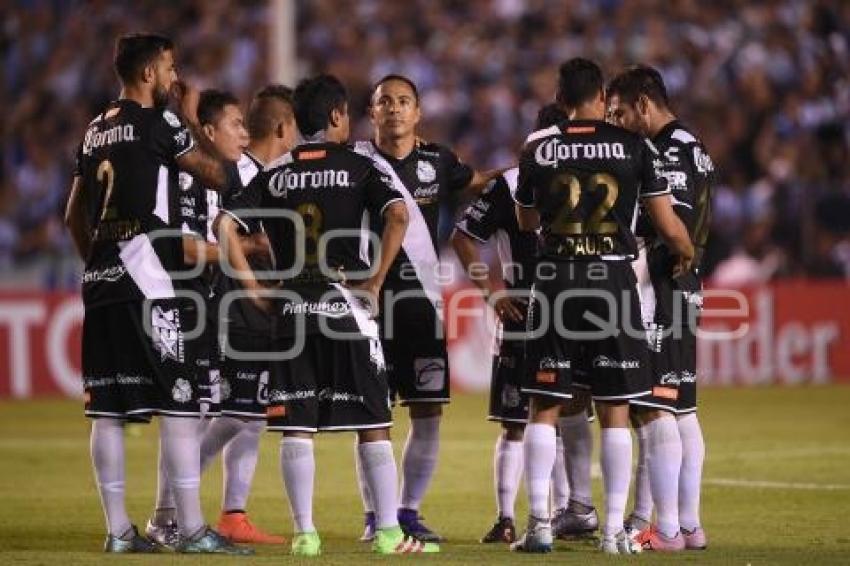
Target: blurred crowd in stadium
(766, 84)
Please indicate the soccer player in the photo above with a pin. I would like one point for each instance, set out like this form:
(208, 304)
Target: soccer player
(336, 380)
(637, 100)
(411, 320)
(493, 213)
(123, 216)
(243, 403)
(582, 183)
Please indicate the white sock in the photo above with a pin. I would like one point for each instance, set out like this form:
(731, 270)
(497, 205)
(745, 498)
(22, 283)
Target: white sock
(419, 460)
(643, 493)
(539, 457)
(381, 475)
(216, 434)
(560, 487)
(690, 478)
(616, 461)
(507, 469)
(240, 462)
(578, 451)
(107, 455)
(166, 508)
(365, 493)
(181, 451)
(298, 466)
(664, 459)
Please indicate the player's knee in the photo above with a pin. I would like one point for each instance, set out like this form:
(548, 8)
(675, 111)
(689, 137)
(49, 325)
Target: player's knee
(373, 435)
(513, 432)
(425, 410)
(613, 414)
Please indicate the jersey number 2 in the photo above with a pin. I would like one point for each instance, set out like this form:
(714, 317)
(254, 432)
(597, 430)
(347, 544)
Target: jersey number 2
(106, 175)
(568, 220)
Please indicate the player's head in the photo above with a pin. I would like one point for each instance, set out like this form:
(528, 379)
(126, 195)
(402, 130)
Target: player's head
(581, 85)
(221, 120)
(394, 107)
(271, 118)
(321, 105)
(636, 98)
(550, 115)
(147, 61)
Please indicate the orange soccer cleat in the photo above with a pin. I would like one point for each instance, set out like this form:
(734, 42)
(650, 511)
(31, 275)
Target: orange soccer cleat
(239, 528)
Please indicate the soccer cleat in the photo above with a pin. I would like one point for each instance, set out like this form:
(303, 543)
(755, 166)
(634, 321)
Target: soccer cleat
(307, 544)
(238, 528)
(569, 524)
(131, 542)
(537, 538)
(411, 523)
(695, 539)
(618, 544)
(167, 535)
(503, 530)
(653, 540)
(208, 541)
(368, 527)
(394, 541)
(634, 526)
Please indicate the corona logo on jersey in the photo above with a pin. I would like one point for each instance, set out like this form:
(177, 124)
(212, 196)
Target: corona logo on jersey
(550, 152)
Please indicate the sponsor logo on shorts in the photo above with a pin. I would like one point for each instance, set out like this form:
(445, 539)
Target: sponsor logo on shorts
(107, 274)
(552, 363)
(510, 397)
(215, 386)
(182, 391)
(430, 374)
(333, 309)
(246, 376)
(284, 397)
(166, 334)
(224, 389)
(688, 377)
(276, 411)
(339, 396)
(607, 363)
(263, 388)
(665, 392)
(546, 376)
(669, 378)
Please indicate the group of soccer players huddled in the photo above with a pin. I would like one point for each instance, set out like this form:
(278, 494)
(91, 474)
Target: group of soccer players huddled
(256, 270)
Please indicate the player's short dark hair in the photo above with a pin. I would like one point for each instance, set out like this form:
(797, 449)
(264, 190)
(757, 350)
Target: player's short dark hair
(640, 80)
(212, 103)
(313, 101)
(395, 77)
(264, 114)
(579, 80)
(134, 52)
(550, 115)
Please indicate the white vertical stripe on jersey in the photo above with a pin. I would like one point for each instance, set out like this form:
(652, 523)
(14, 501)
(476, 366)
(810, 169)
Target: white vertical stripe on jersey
(368, 327)
(417, 242)
(364, 238)
(144, 267)
(161, 209)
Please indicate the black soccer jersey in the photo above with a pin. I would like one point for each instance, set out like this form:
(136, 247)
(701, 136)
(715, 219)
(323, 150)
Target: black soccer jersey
(332, 191)
(492, 213)
(130, 189)
(586, 178)
(690, 175)
(429, 173)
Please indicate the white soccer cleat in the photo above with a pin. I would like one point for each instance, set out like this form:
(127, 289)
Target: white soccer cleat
(619, 544)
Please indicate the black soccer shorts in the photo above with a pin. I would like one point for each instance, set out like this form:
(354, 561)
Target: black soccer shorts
(332, 385)
(508, 404)
(672, 353)
(415, 349)
(131, 373)
(615, 359)
(244, 383)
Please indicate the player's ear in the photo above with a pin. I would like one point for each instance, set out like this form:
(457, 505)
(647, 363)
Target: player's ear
(209, 131)
(149, 74)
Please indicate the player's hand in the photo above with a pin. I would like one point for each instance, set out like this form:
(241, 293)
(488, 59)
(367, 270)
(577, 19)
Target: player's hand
(256, 245)
(683, 266)
(509, 309)
(369, 292)
(187, 97)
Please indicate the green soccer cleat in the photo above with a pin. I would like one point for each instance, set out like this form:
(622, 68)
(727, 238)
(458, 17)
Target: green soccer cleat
(130, 542)
(208, 541)
(307, 544)
(393, 541)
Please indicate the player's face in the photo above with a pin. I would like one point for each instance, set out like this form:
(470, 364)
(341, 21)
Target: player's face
(165, 74)
(625, 115)
(228, 135)
(395, 111)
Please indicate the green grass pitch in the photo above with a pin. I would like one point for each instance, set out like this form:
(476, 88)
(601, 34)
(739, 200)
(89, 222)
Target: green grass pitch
(777, 487)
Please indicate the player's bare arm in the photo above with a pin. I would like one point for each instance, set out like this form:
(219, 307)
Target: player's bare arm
(227, 232)
(481, 178)
(527, 218)
(468, 254)
(395, 226)
(671, 229)
(75, 220)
